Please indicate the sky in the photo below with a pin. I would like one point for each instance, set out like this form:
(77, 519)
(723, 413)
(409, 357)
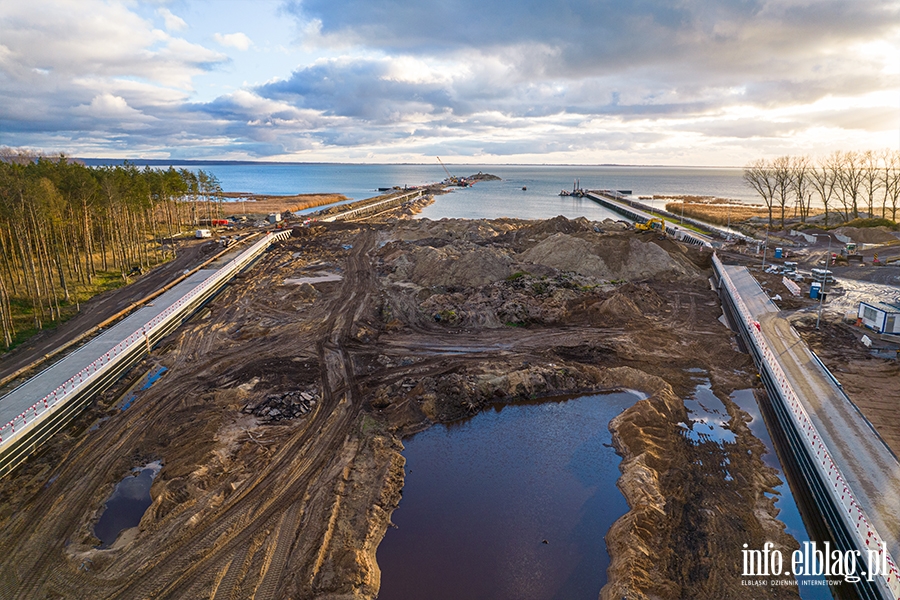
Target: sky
(664, 82)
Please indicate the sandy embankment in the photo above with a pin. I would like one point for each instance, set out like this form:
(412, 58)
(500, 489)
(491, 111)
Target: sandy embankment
(430, 322)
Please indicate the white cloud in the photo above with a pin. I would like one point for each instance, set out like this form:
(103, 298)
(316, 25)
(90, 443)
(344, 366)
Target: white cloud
(234, 40)
(173, 22)
(108, 106)
(576, 80)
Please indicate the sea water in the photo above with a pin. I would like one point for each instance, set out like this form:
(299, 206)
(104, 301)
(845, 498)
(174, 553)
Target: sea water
(486, 199)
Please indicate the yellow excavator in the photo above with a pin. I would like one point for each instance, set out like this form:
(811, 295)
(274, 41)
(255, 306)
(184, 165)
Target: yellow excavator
(652, 224)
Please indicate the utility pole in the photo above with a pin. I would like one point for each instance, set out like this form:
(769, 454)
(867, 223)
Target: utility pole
(824, 277)
(765, 247)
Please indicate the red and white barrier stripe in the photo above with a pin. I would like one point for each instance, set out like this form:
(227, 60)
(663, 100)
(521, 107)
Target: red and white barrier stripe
(93, 370)
(866, 534)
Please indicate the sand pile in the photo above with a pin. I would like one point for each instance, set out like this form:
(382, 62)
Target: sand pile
(602, 257)
(868, 235)
(462, 264)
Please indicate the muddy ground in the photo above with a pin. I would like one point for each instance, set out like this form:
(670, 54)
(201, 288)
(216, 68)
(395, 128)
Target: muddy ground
(280, 418)
(872, 382)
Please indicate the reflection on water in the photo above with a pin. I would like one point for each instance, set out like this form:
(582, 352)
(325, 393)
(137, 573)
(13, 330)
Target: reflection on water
(789, 513)
(481, 497)
(149, 379)
(709, 417)
(127, 504)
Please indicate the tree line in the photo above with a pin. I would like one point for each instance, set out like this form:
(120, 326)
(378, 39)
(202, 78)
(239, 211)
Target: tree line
(64, 225)
(842, 182)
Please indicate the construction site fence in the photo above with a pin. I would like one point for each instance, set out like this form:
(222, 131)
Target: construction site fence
(866, 536)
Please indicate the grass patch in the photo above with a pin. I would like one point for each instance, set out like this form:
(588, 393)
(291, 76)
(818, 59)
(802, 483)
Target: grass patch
(22, 310)
(368, 424)
(862, 223)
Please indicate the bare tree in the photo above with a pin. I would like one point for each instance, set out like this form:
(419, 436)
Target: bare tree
(759, 175)
(848, 167)
(871, 168)
(823, 180)
(781, 172)
(800, 183)
(891, 183)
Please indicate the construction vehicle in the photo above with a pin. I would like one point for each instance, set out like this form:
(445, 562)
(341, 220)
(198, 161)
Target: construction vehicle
(452, 179)
(852, 252)
(652, 224)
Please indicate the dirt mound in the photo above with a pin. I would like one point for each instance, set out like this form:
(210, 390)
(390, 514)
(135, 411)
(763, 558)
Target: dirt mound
(868, 235)
(651, 558)
(454, 265)
(558, 224)
(620, 306)
(604, 257)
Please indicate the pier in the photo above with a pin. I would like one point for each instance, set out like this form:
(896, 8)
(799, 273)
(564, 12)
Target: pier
(36, 410)
(847, 471)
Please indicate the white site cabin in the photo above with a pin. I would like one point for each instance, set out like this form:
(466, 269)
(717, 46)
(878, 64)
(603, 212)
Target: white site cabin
(880, 317)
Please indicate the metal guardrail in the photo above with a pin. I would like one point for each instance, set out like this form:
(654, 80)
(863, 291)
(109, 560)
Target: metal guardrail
(629, 208)
(368, 207)
(867, 537)
(84, 379)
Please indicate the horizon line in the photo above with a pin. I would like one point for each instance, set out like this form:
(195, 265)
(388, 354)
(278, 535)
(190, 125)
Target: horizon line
(194, 161)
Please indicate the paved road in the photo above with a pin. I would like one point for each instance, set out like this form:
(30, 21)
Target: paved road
(49, 379)
(868, 466)
(190, 254)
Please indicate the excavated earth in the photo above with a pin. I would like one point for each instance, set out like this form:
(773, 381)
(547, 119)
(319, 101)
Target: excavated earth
(280, 417)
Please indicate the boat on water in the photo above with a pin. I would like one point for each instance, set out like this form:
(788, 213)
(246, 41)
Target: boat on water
(576, 192)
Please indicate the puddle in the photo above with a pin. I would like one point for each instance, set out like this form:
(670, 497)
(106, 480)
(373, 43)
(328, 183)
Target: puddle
(811, 588)
(149, 379)
(481, 496)
(313, 279)
(709, 418)
(127, 504)
(709, 423)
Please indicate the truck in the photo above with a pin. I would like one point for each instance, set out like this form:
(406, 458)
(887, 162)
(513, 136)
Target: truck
(202, 233)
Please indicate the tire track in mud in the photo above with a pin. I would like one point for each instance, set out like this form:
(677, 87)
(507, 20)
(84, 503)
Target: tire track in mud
(336, 328)
(192, 561)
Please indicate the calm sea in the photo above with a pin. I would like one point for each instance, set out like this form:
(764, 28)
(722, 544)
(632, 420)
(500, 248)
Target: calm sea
(487, 199)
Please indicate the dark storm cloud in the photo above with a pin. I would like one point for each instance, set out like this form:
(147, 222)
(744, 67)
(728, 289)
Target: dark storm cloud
(590, 37)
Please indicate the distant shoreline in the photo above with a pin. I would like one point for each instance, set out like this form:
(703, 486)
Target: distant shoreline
(158, 162)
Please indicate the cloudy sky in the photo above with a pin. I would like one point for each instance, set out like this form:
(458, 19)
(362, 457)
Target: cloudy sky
(681, 82)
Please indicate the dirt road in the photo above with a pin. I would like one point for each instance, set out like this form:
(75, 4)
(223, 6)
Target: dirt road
(429, 322)
(190, 254)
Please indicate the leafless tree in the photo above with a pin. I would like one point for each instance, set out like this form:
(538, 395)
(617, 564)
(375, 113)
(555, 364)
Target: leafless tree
(890, 182)
(849, 179)
(871, 168)
(823, 180)
(759, 175)
(781, 172)
(800, 183)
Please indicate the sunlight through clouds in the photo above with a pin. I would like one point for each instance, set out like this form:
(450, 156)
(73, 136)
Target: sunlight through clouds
(567, 80)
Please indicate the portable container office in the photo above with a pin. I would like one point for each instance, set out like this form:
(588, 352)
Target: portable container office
(880, 317)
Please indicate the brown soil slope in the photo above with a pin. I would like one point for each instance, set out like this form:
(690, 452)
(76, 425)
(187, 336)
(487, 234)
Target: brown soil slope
(430, 322)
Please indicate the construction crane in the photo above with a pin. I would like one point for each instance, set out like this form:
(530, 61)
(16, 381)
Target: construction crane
(452, 180)
(449, 176)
